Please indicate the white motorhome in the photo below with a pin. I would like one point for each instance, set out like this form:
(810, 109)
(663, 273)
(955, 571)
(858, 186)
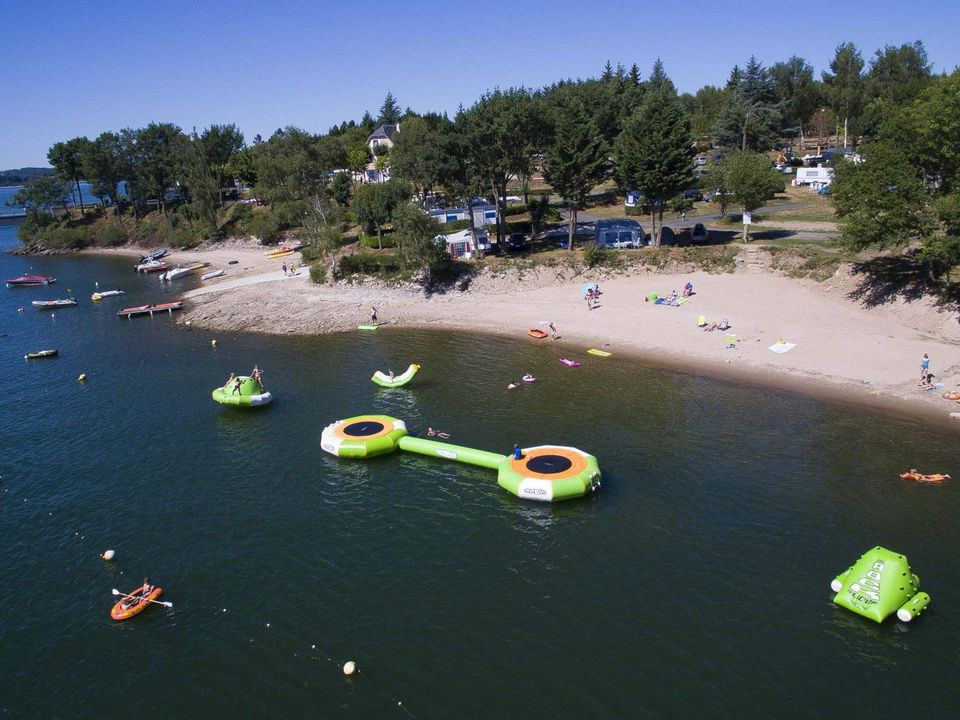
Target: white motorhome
(817, 177)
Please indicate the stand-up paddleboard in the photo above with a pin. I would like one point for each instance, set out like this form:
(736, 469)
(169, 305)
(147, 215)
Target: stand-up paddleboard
(599, 353)
(367, 327)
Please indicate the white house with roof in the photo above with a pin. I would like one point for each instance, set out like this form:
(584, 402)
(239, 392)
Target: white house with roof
(379, 140)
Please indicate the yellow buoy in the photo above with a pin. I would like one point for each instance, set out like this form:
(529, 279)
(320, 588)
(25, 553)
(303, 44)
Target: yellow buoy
(349, 668)
(83, 377)
(108, 554)
(213, 343)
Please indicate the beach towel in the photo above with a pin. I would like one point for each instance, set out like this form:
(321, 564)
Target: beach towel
(702, 321)
(731, 340)
(781, 347)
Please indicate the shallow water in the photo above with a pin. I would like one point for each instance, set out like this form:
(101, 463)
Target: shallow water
(695, 583)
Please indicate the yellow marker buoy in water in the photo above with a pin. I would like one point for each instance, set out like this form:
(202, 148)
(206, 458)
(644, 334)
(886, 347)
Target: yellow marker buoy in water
(349, 668)
(82, 378)
(108, 554)
(213, 343)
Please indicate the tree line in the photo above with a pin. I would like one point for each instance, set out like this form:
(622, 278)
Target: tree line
(639, 132)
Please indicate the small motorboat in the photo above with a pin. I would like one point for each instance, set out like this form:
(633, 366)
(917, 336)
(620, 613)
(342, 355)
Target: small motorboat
(40, 354)
(152, 266)
(53, 304)
(528, 378)
(30, 280)
(135, 602)
(570, 363)
(98, 296)
(212, 274)
(176, 272)
(536, 333)
(152, 256)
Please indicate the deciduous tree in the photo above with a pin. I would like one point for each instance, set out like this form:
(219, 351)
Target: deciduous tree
(67, 160)
(752, 181)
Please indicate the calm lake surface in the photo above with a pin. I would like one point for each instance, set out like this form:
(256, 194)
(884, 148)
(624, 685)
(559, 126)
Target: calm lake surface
(695, 584)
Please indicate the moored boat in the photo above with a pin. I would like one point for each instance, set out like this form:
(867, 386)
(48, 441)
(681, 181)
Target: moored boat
(30, 280)
(40, 354)
(176, 272)
(52, 304)
(212, 274)
(152, 256)
(152, 266)
(98, 296)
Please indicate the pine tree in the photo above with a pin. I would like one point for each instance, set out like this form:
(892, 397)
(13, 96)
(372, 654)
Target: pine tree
(389, 111)
(574, 164)
(654, 153)
(659, 82)
(607, 72)
(635, 75)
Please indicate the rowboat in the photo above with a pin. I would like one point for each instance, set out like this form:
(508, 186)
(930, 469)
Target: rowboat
(51, 304)
(134, 603)
(40, 354)
(150, 309)
(98, 296)
(211, 275)
(152, 266)
(30, 280)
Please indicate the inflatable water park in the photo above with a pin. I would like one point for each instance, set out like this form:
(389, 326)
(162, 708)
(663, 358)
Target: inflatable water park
(878, 585)
(545, 473)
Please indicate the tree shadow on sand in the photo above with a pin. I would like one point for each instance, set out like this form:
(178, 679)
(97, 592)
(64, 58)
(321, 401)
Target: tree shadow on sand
(885, 279)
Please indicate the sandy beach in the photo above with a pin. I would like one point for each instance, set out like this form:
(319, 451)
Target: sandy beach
(843, 349)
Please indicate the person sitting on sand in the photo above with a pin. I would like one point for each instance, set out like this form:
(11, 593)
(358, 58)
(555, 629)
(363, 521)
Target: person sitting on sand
(672, 300)
(688, 289)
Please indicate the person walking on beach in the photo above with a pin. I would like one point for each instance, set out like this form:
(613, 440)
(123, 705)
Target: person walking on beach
(553, 331)
(284, 266)
(373, 315)
(924, 368)
(589, 298)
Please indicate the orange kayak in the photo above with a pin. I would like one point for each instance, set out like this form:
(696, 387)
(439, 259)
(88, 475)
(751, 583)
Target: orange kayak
(538, 334)
(924, 478)
(127, 607)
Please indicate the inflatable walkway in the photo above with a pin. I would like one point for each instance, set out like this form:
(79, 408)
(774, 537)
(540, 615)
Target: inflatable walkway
(546, 473)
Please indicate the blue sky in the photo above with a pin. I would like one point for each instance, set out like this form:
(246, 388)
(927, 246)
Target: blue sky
(82, 68)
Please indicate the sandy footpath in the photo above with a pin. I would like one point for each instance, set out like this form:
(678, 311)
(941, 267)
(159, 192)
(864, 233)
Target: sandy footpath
(844, 350)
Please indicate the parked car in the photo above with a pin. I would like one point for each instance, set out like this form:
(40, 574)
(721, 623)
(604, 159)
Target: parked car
(699, 234)
(517, 242)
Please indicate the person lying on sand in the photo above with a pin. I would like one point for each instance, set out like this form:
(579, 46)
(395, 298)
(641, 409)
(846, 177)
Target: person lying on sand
(722, 325)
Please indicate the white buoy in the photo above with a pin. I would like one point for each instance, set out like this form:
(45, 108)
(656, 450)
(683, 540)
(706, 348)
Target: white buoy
(187, 323)
(82, 378)
(108, 554)
(349, 668)
(213, 343)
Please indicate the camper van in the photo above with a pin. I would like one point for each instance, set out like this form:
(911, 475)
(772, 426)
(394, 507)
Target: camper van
(817, 177)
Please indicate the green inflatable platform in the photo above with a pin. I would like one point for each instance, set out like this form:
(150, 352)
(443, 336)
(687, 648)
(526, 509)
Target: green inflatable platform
(248, 394)
(879, 584)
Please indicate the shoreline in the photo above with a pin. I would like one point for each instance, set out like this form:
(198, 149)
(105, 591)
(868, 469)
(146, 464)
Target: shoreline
(845, 352)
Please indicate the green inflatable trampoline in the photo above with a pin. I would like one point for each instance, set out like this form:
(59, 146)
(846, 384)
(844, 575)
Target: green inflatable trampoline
(879, 584)
(242, 391)
(362, 436)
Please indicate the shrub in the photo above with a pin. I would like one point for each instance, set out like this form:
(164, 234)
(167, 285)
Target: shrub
(453, 226)
(318, 273)
(309, 254)
(111, 235)
(372, 242)
(65, 238)
(369, 264)
(515, 210)
(594, 255)
(264, 227)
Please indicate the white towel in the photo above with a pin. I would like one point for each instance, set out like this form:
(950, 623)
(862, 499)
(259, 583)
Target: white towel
(782, 347)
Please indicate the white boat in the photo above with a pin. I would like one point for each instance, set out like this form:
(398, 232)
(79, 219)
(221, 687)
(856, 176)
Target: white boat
(150, 265)
(176, 272)
(211, 275)
(98, 296)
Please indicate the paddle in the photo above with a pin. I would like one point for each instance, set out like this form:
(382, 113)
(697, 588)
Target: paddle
(158, 602)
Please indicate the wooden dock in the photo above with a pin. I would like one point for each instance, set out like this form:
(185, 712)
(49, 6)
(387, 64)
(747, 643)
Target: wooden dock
(150, 309)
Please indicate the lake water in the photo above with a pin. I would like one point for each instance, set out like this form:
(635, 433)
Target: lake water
(695, 584)
(7, 193)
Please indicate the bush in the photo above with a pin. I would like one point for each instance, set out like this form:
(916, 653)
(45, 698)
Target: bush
(31, 228)
(318, 273)
(368, 264)
(373, 243)
(111, 235)
(309, 254)
(65, 238)
(594, 255)
(453, 226)
(264, 227)
(514, 210)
